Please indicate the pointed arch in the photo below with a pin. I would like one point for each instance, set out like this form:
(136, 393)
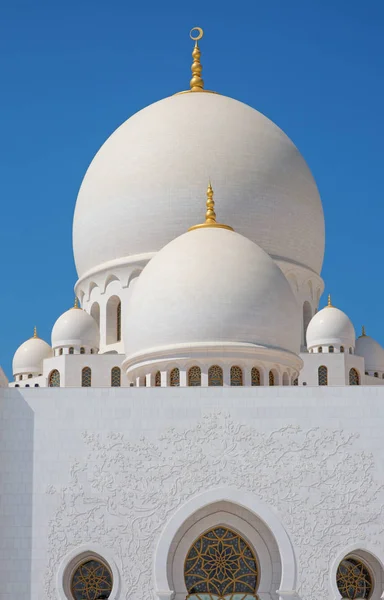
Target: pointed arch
(354, 378)
(194, 376)
(54, 378)
(115, 377)
(255, 376)
(174, 377)
(236, 376)
(215, 376)
(86, 377)
(322, 375)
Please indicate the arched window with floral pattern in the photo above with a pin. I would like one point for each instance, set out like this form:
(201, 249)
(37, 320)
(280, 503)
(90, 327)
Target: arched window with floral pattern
(323, 375)
(354, 579)
(54, 379)
(215, 376)
(255, 376)
(354, 378)
(236, 376)
(91, 580)
(158, 379)
(194, 377)
(174, 377)
(221, 564)
(271, 378)
(115, 377)
(86, 377)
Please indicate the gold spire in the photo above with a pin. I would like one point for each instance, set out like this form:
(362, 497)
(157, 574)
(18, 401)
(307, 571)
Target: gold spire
(363, 334)
(76, 303)
(329, 300)
(196, 83)
(210, 215)
(35, 336)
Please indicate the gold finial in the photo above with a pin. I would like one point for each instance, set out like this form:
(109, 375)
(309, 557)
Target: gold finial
(363, 334)
(210, 215)
(76, 303)
(329, 300)
(196, 83)
(35, 332)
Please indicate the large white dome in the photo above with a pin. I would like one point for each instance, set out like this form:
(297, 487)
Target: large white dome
(142, 188)
(76, 328)
(211, 286)
(372, 352)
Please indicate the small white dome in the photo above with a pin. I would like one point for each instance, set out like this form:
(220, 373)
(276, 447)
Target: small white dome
(372, 353)
(330, 326)
(210, 287)
(75, 327)
(30, 355)
(141, 189)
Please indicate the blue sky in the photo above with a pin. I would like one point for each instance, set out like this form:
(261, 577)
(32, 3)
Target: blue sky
(72, 71)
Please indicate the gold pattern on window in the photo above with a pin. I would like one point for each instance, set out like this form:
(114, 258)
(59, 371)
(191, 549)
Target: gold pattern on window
(323, 375)
(255, 376)
(118, 322)
(174, 377)
(354, 579)
(354, 378)
(115, 377)
(215, 376)
(236, 376)
(86, 377)
(221, 563)
(158, 379)
(194, 376)
(54, 379)
(91, 580)
(271, 378)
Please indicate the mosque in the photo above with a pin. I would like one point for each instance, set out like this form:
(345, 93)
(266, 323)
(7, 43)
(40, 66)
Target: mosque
(131, 470)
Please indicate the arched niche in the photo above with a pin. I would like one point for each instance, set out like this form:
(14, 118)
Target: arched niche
(240, 511)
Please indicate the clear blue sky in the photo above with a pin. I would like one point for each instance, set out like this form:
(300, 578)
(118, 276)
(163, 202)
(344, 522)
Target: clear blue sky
(72, 71)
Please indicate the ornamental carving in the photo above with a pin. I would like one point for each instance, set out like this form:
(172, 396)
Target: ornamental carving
(122, 492)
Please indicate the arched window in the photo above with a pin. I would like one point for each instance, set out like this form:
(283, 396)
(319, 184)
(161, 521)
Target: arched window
(221, 564)
(91, 350)
(255, 376)
(54, 379)
(331, 349)
(95, 312)
(296, 381)
(350, 351)
(271, 378)
(354, 378)
(113, 314)
(375, 374)
(236, 376)
(158, 379)
(320, 349)
(115, 377)
(71, 350)
(174, 377)
(215, 376)
(323, 375)
(86, 377)
(342, 349)
(91, 579)
(194, 376)
(82, 350)
(354, 579)
(60, 351)
(30, 375)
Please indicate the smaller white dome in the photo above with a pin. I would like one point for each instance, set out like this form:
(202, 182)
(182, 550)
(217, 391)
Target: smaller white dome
(330, 327)
(29, 357)
(75, 327)
(372, 353)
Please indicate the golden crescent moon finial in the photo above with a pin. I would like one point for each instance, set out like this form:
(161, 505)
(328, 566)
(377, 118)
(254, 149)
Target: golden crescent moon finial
(199, 35)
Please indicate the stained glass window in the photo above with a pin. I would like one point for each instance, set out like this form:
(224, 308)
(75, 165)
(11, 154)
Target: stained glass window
(115, 377)
(92, 580)
(271, 378)
(323, 375)
(331, 349)
(354, 377)
(353, 579)
(194, 376)
(236, 376)
(215, 376)
(320, 349)
(82, 350)
(86, 377)
(118, 322)
(342, 349)
(54, 379)
(71, 350)
(174, 377)
(158, 379)
(255, 376)
(221, 563)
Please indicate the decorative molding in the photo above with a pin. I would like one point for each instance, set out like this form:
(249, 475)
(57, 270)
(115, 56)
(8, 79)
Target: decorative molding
(122, 493)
